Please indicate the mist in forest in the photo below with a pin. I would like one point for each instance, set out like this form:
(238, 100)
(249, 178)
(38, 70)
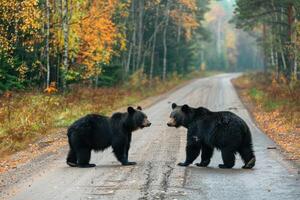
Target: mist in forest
(228, 48)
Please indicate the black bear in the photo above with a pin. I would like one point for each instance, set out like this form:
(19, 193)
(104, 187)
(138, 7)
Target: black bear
(208, 130)
(97, 132)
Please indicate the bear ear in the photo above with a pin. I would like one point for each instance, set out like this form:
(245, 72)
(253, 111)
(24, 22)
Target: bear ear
(174, 105)
(185, 108)
(130, 110)
(139, 108)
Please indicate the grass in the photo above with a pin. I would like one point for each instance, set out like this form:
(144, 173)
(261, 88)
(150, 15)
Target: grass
(28, 116)
(256, 94)
(266, 101)
(269, 94)
(275, 106)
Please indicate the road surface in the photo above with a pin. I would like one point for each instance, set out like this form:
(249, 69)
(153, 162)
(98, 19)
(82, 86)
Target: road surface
(157, 150)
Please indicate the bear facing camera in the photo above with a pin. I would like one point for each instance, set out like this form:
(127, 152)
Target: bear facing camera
(207, 130)
(98, 132)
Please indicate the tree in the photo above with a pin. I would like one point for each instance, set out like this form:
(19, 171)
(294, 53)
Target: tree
(20, 27)
(54, 43)
(276, 19)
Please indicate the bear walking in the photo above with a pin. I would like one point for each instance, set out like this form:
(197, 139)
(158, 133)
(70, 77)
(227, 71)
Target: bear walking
(208, 130)
(97, 132)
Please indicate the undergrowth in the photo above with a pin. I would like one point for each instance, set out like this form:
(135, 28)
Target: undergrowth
(27, 116)
(274, 104)
(271, 94)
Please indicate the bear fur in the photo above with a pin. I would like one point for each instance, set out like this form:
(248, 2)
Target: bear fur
(97, 132)
(207, 130)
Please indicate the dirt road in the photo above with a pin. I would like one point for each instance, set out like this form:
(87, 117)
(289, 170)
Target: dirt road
(157, 150)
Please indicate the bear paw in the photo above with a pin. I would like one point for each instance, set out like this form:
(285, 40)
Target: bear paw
(250, 164)
(183, 164)
(202, 164)
(71, 164)
(86, 165)
(222, 166)
(129, 163)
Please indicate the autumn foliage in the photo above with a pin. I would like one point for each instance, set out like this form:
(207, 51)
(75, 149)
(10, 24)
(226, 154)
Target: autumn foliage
(275, 107)
(76, 40)
(98, 34)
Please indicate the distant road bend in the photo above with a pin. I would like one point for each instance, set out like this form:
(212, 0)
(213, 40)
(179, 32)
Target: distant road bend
(157, 150)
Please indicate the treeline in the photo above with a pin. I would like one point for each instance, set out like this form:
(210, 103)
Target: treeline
(276, 25)
(52, 43)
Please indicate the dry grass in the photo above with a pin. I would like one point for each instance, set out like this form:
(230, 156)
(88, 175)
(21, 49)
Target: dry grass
(276, 108)
(28, 116)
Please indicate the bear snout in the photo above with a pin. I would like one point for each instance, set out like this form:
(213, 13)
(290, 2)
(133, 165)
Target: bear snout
(146, 123)
(172, 122)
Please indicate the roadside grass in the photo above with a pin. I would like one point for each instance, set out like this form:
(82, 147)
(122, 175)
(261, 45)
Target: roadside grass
(275, 106)
(261, 97)
(28, 116)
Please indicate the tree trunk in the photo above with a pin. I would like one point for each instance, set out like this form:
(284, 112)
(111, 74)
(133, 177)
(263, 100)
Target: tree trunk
(283, 57)
(265, 48)
(65, 27)
(165, 42)
(132, 42)
(143, 60)
(295, 77)
(134, 36)
(154, 43)
(202, 64)
(291, 59)
(177, 63)
(47, 42)
(272, 54)
(140, 32)
(128, 60)
(219, 37)
(295, 65)
(274, 41)
(277, 66)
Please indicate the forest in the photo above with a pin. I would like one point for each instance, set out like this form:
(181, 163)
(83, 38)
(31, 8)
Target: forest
(276, 26)
(54, 43)
(49, 43)
(59, 57)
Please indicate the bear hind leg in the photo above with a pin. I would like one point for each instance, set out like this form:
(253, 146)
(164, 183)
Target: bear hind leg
(72, 158)
(84, 156)
(248, 157)
(206, 155)
(228, 159)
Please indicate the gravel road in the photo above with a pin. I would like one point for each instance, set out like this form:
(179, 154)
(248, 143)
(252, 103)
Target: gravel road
(157, 150)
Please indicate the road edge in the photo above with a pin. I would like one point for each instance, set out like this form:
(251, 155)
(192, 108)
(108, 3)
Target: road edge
(248, 106)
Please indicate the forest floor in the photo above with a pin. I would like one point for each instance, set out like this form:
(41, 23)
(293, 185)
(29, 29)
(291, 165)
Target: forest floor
(275, 108)
(34, 123)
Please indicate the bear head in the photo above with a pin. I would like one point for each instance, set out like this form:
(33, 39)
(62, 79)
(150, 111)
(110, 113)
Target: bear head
(184, 115)
(180, 116)
(136, 119)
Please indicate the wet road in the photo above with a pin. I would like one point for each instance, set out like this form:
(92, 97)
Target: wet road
(159, 148)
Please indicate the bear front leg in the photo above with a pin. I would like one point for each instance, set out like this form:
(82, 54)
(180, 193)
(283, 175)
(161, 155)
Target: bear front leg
(127, 150)
(192, 152)
(120, 150)
(206, 154)
(228, 158)
(84, 156)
